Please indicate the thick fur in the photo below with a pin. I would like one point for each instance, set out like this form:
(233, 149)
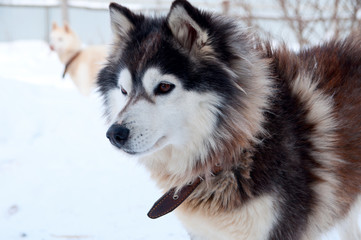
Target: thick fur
(285, 126)
(85, 67)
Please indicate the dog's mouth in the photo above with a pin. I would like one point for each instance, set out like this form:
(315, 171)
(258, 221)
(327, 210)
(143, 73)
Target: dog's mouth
(158, 144)
(51, 47)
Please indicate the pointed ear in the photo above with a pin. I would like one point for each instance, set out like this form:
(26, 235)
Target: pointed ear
(54, 26)
(188, 25)
(67, 28)
(122, 20)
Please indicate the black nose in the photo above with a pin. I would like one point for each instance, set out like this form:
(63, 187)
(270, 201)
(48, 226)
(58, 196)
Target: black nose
(117, 135)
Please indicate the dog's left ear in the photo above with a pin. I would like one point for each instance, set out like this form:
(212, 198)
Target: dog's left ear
(188, 25)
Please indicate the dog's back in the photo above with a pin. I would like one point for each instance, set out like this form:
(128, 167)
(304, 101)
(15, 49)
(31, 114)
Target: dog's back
(324, 83)
(338, 74)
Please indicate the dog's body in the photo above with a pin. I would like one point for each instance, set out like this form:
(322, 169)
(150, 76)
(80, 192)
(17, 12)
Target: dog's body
(193, 90)
(82, 64)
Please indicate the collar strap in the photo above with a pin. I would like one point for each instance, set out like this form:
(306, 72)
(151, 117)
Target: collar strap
(171, 200)
(70, 61)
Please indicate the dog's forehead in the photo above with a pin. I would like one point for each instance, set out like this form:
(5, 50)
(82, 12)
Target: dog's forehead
(142, 50)
(154, 49)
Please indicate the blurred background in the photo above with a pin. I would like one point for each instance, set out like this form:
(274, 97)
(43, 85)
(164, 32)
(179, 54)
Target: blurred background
(297, 21)
(59, 176)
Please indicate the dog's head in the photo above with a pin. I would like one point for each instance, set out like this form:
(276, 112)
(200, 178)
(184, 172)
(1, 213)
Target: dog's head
(63, 39)
(176, 81)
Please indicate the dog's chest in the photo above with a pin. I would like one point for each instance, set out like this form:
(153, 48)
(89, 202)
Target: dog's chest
(253, 221)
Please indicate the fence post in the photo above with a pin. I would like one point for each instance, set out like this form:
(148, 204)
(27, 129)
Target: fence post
(225, 7)
(47, 24)
(64, 11)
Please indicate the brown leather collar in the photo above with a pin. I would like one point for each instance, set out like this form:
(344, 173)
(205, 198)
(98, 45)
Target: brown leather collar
(171, 200)
(70, 61)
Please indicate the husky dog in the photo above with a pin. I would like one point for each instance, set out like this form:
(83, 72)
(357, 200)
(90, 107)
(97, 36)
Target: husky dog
(82, 64)
(255, 142)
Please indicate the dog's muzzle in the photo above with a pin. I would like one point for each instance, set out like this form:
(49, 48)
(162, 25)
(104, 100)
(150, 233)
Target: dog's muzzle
(118, 135)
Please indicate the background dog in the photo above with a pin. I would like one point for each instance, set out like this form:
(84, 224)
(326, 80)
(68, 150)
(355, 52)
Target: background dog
(260, 143)
(82, 64)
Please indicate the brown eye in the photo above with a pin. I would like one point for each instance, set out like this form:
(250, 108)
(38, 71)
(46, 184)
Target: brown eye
(164, 88)
(123, 91)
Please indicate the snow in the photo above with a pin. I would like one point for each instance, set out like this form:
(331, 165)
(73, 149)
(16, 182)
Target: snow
(59, 176)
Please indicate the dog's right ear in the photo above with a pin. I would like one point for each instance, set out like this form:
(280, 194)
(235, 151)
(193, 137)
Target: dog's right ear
(122, 20)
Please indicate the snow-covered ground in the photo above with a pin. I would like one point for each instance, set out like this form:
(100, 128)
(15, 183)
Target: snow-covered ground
(59, 176)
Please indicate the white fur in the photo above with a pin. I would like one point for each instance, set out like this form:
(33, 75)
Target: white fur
(253, 221)
(350, 226)
(125, 80)
(116, 101)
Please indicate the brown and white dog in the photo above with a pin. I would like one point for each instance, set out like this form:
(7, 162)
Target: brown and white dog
(82, 64)
(254, 142)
